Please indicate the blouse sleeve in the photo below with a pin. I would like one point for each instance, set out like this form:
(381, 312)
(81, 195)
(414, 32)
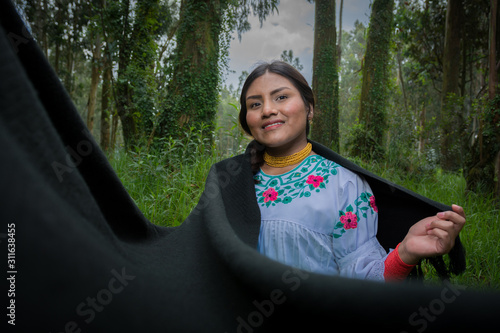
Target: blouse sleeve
(355, 246)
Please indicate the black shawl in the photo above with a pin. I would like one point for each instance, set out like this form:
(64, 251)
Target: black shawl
(86, 259)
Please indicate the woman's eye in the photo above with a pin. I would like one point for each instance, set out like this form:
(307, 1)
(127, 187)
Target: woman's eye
(254, 105)
(282, 97)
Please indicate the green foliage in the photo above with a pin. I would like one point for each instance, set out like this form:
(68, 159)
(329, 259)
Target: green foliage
(287, 56)
(353, 51)
(167, 181)
(481, 170)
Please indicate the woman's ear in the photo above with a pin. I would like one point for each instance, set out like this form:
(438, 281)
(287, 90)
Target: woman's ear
(310, 113)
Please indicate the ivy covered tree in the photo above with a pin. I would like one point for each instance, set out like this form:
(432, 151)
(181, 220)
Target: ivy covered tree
(202, 42)
(325, 81)
(451, 117)
(368, 142)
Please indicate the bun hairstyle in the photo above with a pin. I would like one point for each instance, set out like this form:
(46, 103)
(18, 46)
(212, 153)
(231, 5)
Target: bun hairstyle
(293, 75)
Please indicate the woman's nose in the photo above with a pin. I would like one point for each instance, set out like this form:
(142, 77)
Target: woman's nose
(268, 110)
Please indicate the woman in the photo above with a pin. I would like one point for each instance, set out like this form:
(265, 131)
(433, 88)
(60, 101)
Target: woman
(315, 214)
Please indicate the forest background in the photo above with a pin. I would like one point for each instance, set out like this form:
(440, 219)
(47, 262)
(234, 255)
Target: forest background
(413, 97)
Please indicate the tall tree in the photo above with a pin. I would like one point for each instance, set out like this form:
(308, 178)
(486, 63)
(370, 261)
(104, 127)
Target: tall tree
(95, 77)
(451, 118)
(325, 79)
(483, 172)
(137, 35)
(368, 142)
(202, 40)
(192, 92)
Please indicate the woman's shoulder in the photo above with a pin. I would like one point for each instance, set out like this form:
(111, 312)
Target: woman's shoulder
(345, 174)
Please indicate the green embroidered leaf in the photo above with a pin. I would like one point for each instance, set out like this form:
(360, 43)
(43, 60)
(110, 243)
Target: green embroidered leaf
(364, 208)
(307, 194)
(364, 215)
(341, 213)
(311, 187)
(363, 197)
(280, 192)
(349, 208)
(322, 185)
(337, 235)
(339, 225)
(261, 199)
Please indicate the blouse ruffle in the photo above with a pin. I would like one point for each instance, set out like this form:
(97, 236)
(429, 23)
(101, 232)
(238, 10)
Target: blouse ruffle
(322, 218)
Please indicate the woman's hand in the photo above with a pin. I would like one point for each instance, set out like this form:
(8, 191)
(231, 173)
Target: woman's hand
(434, 235)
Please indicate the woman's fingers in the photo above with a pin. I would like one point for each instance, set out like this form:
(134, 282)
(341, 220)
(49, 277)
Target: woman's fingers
(459, 210)
(457, 217)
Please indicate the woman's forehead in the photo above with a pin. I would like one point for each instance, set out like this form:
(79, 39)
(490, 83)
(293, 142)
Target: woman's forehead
(267, 83)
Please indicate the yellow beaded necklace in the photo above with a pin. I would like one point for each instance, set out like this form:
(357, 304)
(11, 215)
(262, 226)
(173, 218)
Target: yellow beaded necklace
(281, 162)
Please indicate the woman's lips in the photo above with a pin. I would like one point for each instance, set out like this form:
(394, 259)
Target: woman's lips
(272, 125)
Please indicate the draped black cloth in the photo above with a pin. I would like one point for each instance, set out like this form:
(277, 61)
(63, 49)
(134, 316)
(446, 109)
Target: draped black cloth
(86, 260)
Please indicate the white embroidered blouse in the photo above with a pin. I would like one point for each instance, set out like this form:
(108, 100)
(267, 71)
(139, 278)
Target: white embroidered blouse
(322, 218)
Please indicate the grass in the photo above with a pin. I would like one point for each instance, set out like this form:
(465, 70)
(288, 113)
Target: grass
(167, 183)
(481, 234)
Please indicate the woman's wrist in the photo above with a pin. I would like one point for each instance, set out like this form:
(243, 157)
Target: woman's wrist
(406, 256)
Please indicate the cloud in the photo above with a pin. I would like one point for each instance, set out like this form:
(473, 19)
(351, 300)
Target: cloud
(291, 29)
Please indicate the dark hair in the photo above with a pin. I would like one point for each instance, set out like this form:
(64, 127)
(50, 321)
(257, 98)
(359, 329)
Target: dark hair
(285, 70)
(288, 72)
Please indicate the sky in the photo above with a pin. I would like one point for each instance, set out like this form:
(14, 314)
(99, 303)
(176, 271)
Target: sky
(291, 29)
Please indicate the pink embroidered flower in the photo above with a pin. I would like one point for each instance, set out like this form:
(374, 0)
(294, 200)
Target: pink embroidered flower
(270, 195)
(314, 180)
(372, 204)
(349, 220)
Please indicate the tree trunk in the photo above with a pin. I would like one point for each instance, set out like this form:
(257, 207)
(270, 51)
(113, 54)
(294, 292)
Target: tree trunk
(325, 80)
(193, 89)
(105, 99)
(450, 121)
(421, 140)
(94, 82)
(493, 76)
(486, 164)
(124, 105)
(339, 40)
(368, 142)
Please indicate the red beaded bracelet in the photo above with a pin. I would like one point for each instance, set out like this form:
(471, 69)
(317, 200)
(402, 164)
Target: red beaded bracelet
(395, 268)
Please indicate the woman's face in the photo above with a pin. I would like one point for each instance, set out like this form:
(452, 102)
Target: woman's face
(276, 114)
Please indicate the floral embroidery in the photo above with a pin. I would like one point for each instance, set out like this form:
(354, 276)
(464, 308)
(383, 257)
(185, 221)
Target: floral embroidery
(314, 180)
(311, 176)
(349, 219)
(270, 195)
(372, 204)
